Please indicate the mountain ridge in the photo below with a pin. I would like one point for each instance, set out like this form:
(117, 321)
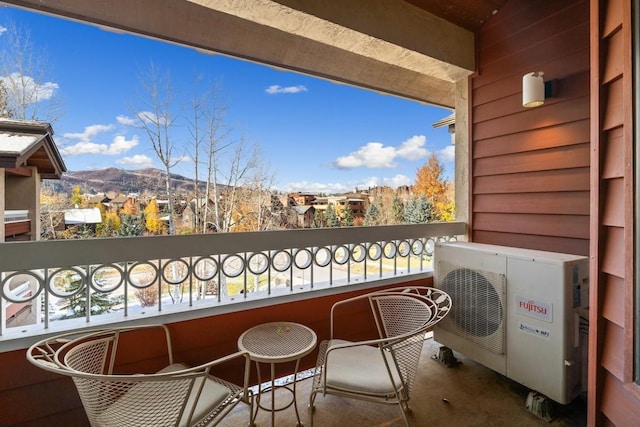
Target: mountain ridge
(121, 181)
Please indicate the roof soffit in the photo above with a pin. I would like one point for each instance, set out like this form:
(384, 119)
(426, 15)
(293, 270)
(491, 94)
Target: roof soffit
(388, 46)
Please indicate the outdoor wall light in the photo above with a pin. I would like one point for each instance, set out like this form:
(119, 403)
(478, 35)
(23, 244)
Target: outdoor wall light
(535, 90)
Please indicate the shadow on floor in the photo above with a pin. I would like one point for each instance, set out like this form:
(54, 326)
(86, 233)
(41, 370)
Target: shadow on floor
(466, 395)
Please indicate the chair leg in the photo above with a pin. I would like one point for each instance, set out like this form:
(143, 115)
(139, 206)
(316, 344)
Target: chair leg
(251, 403)
(404, 409)
(311, 409)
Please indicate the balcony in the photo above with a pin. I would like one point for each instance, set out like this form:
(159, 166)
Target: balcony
(209, 288)
(17, 225)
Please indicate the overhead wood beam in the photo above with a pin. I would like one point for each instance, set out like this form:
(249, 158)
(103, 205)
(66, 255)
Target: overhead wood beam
(19, 171)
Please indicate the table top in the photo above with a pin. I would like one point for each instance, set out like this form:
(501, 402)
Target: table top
(277, 342)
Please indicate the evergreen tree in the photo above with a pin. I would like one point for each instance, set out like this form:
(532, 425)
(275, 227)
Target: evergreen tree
(347, 216)
(372, 216)
(76, 305)
(330, 217)
(418, 210)
(318, 219)
(131, 225)
(398, 210)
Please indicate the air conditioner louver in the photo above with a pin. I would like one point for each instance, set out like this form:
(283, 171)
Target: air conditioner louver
(478, 299)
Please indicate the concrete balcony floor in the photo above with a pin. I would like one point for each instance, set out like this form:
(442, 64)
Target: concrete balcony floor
(475, 396)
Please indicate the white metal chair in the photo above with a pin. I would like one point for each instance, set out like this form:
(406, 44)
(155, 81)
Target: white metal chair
(380, 370)
(177, 395)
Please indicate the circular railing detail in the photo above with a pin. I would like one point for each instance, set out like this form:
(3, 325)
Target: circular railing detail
(281, 261)
(258, 263)
(233, 265)
(67, 282)
(205, 268)
(21, 286)
(341, 255)
(106, 278)
(142, 274)
(322, 257)
(303, 258)
(175, 271)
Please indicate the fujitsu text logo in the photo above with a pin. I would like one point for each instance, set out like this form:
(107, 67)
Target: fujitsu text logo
(532, 307)
(537, 309)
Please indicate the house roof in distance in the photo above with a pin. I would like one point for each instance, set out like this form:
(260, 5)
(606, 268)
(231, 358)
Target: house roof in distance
(30, 143)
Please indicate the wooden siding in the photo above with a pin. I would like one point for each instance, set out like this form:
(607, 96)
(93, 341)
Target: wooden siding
(18, 227)
(615, 399)
(31, 397)
(530, 166)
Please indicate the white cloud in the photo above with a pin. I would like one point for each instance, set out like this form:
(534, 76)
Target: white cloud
(316, 187)
(342, 187)
(413, 148)
(276, 89)
(377, 155)
(397, 181)
(150, 117)
(139, 161)
(126, 121)
(2, 29)
(372, 155)
(184, 159)
(89, 132)
(27, 89)
(119, 145)
(447, 154)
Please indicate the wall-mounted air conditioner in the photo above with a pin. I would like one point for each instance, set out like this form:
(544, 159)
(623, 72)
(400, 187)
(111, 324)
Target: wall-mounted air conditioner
(516, 311)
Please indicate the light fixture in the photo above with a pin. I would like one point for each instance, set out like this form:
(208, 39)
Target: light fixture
(533, 89)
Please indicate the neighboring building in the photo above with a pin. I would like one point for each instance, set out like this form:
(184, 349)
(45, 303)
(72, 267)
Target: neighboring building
(82, 217)
(302, 199)
(28, 155)
(304, 216)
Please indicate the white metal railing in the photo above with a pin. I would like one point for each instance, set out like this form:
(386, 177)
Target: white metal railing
(16, 216)
(126, 276)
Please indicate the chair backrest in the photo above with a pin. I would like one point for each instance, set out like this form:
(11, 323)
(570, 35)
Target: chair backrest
(151, 399)
(141, 400)
(439, 301)
(397, 314)
(403, 318)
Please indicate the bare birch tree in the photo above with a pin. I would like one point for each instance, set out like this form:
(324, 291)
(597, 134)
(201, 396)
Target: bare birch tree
(208, 133)
(157, 117)
(226, 183)
(25, 76)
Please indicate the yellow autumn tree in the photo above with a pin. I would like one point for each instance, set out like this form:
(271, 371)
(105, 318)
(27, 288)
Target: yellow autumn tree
(152, 218)
(109, 226)
(76, 197)
(430, 183)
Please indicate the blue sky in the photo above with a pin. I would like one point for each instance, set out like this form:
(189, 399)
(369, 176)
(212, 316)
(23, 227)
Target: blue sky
(315, 135)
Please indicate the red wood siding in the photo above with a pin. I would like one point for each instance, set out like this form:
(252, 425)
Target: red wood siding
(30, 396)
(530, 166)
(16, 228)
(615, 399)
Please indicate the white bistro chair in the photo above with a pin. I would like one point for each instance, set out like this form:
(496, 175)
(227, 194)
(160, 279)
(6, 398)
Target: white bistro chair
(177, 395)
(380, 370)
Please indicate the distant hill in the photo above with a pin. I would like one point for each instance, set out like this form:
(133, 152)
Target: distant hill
(119, 181)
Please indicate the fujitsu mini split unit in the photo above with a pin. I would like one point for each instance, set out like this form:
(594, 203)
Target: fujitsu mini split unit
(518, 312)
